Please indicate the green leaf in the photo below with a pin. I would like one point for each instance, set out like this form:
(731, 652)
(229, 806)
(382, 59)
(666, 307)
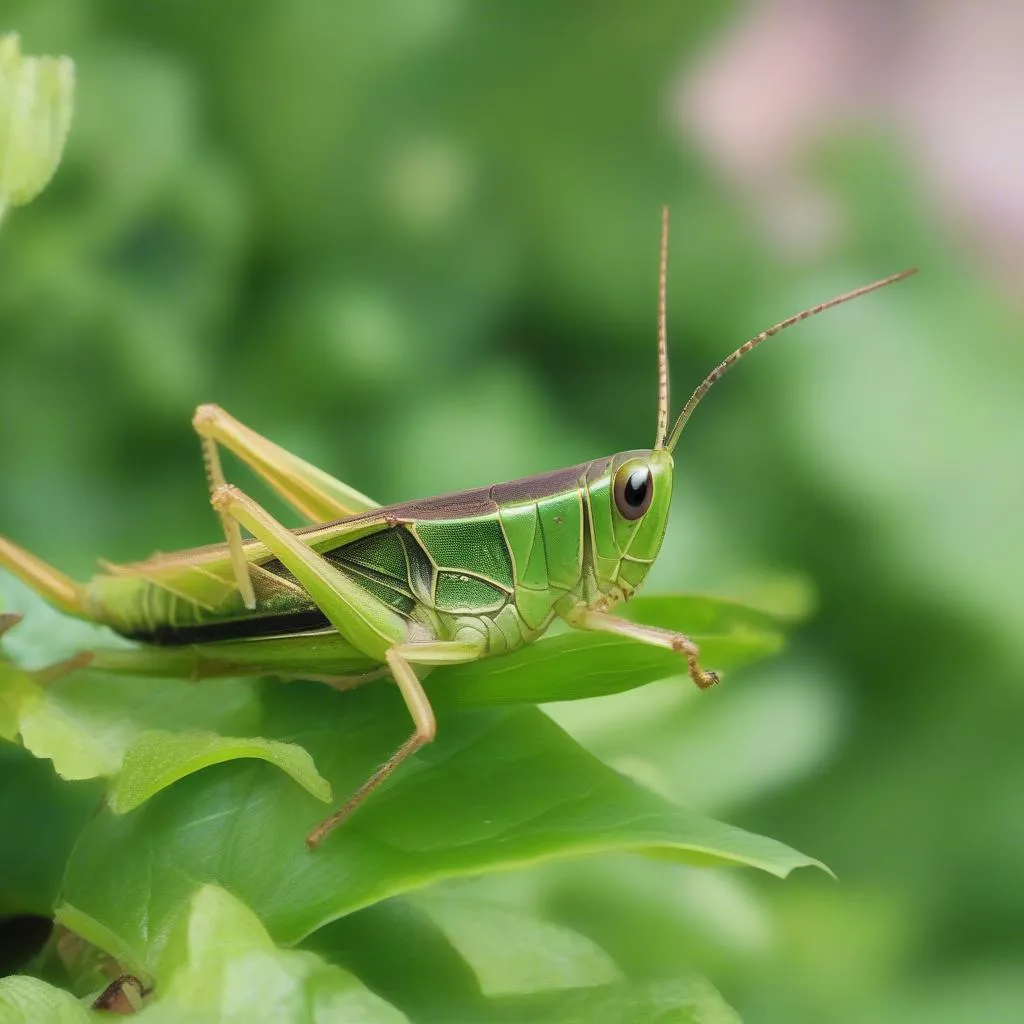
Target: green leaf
(533, 970)
(91, 724)
(676, 1001)
(85, 723)
(17, 693)
(699, 614)
(26, 1000)
(36, 96)
(222, 966)
(499, 789)
(578, 664)
(513, 952)
(79, 745)
(431, 981)
(157, 759)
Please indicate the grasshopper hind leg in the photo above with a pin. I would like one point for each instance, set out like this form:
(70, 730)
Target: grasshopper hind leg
(367, 622)
(309, 490)
(64, 593)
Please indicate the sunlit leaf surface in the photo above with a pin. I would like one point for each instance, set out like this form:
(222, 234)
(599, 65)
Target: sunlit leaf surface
(499, 788)
(25, 1000)
(157, 759)
(221, 966)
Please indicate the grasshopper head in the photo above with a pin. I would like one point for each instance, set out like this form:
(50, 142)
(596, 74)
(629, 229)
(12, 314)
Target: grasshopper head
(629, 505)
(630, 498)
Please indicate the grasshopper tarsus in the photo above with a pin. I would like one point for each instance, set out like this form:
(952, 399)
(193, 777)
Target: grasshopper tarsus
(705, 680)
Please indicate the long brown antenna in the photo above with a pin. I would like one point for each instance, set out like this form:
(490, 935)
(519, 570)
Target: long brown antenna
(663, 410)
(724, 365)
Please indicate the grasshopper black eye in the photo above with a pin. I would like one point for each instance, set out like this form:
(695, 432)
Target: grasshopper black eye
(634, 489)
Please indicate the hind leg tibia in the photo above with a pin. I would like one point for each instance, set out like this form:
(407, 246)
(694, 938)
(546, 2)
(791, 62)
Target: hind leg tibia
(311, 491)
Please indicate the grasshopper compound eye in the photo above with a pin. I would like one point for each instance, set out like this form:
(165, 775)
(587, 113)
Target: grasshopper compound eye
(634, 489)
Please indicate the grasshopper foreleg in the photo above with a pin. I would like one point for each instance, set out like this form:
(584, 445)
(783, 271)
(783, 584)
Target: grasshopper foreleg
(585, 618)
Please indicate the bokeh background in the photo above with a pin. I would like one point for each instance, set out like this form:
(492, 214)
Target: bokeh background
(416, 242)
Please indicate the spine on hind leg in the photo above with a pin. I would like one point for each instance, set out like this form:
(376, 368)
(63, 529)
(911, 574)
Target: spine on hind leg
(61, 591)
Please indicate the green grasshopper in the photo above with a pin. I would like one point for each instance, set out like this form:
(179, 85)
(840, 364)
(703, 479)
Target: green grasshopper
(368, 590)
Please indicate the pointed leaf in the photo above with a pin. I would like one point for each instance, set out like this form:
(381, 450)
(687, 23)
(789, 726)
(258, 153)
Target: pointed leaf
(513, 952)
(157, 759)
(35, 114)
(498, 789)
(676, 1001)
(577, 664)
(430, 982)
(221, 965)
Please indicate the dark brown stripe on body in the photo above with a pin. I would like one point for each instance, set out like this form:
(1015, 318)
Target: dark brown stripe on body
(478, 501)
(307, 620)
(543, 485)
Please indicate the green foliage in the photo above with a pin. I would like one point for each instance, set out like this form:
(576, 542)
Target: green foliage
(24, 1000)
(192, 812)
(416, 243)
(221, 965)
(36, 95)
(43, 817)
(157, 759)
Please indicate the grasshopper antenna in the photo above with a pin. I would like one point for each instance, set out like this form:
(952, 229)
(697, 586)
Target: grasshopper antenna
(659, 440)
(719, 371)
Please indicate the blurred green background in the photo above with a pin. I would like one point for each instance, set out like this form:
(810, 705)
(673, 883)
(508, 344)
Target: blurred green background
(416, 242)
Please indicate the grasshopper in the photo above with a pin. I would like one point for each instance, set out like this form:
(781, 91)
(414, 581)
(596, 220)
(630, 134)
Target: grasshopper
(368, 590)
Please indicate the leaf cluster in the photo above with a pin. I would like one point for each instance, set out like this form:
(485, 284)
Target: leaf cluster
(162, 825)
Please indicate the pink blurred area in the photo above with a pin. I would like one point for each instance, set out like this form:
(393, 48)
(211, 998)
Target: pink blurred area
(945, 78)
